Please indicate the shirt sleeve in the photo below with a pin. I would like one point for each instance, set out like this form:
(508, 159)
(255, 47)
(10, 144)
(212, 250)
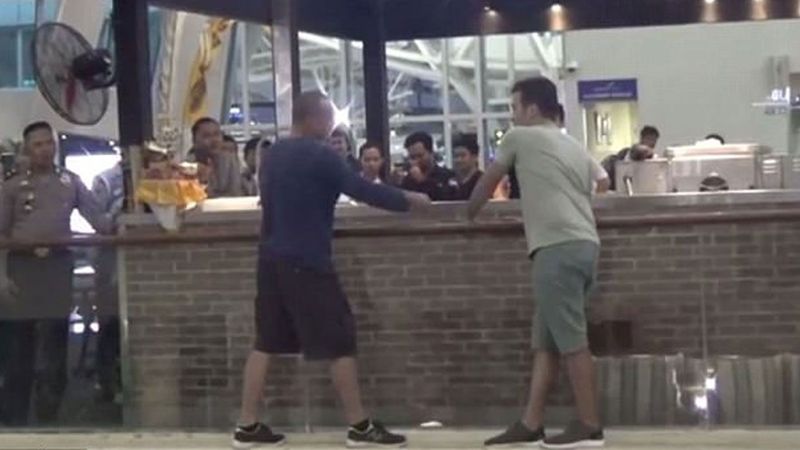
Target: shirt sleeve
(102, 192)
(91, 210)
(6, 211)
(352, 185)
(598, 172)
(507, 153)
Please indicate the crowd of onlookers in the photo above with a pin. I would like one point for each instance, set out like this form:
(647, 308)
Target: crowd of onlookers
(221, 169)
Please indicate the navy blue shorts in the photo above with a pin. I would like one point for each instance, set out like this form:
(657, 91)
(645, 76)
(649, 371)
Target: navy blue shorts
(299, 309)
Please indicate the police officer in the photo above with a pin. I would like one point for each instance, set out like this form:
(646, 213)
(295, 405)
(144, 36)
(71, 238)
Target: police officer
(35, 205)
(109, 188)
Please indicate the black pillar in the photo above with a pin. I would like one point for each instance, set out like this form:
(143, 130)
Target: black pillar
(375, 79)
(134, 101)
(133, 71)
(286, 61)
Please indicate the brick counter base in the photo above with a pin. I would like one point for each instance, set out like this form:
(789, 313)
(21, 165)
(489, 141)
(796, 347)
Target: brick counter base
(444, 321)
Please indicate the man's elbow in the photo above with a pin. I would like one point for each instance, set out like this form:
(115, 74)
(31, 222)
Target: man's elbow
(603, 186)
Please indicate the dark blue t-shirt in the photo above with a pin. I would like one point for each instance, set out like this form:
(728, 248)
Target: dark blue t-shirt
(301, 180)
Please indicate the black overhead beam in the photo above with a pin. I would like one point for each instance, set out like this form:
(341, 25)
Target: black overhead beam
(410, 19)
(327, 17)
(256, 11)
(131, 44)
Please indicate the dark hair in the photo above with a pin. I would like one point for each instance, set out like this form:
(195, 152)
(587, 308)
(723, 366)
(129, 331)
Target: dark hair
(649, 130)
(716, 136)
(307, 105)
(420, 137)
(368, 145)
(541, 92)
(229, 138)
(468, 142)
(252, 145)
(35, 126)
(200, 122)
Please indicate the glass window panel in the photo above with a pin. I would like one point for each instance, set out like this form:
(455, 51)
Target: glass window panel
(497, 72)
(322, 66)
(538, 54)
(14, 12)
(27, 62)
(47, 10)
(415, 77)
(463, 87)
(259, 83)
(8, 57)
(514, 57)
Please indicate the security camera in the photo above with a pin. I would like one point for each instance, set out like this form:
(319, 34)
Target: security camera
(572, 66)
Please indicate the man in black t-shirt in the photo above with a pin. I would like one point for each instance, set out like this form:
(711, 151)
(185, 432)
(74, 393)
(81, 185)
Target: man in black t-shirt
(423, 174)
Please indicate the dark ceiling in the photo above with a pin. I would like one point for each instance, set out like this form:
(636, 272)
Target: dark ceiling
(407, 19)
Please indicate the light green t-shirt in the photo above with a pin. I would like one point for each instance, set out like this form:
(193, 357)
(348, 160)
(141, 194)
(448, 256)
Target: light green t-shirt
(556, 176)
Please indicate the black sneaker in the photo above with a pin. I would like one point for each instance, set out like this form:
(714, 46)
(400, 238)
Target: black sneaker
(260, 437)
(577, 435)
(517, 435)
(376, 435)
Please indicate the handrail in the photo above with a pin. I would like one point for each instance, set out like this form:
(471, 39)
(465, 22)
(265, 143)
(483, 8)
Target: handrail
(497, 226)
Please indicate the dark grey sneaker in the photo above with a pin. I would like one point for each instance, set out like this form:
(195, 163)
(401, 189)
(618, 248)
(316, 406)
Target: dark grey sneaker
(260, 437)
(577, 435)
(517, 435)
(376, 435)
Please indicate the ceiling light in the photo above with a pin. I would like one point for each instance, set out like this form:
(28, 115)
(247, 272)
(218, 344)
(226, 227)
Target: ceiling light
(710, 2)
(556, 8)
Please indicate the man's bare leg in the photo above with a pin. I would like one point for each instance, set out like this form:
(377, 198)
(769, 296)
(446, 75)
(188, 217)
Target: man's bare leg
(255, 377)
(344, 373)
(544, 373)
(580, 367)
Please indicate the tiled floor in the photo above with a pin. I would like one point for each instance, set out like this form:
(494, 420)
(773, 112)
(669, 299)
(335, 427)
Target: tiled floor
(639, 439)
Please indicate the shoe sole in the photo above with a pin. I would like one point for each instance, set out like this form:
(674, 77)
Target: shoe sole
(575, 445)
(256, 445)
(533, 444)
(355, 444)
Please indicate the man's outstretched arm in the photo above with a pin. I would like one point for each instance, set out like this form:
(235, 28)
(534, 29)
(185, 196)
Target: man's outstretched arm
(485, 188)
(377, 195)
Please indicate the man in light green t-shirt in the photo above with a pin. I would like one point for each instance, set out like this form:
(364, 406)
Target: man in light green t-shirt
(556, 176)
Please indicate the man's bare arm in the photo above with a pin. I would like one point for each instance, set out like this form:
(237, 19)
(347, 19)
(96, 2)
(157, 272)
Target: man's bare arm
(485, 189)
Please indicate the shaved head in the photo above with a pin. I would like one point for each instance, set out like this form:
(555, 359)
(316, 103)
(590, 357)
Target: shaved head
(313, 115)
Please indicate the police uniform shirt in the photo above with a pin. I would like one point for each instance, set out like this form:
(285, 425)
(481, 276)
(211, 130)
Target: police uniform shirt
(38, 206)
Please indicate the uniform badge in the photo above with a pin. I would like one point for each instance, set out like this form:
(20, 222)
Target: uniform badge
(66, 180)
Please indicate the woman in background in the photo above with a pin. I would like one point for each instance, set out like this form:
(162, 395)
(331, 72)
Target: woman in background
(372, 162)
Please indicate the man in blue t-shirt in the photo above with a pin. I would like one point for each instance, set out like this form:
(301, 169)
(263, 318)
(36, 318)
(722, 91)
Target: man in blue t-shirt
(300, 304)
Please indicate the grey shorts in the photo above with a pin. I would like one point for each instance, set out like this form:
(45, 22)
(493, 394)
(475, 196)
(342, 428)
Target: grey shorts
(563, 277)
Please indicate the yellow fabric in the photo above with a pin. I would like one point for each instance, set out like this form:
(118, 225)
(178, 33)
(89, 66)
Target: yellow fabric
(170, 192)
(196, 104)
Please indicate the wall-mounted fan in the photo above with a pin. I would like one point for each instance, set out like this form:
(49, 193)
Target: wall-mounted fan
(71, 75)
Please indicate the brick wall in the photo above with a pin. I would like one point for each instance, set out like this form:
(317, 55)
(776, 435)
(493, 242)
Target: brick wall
(444, 321)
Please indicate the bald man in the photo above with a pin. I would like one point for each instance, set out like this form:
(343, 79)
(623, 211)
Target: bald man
(300, 306)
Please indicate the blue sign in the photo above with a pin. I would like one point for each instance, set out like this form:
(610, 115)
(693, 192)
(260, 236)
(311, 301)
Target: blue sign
(608, 90)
